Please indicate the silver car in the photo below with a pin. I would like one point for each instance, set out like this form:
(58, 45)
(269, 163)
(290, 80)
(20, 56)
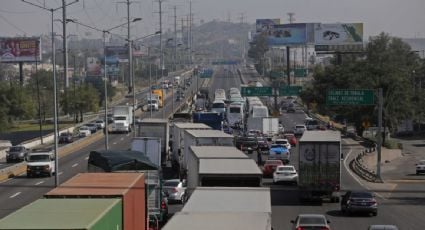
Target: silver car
(16, 154)
(382, 227)
(175, 190)
(311, 221)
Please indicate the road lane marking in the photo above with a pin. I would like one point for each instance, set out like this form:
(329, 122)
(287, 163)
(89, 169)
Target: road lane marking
(114, 143)
(74, 165)
(128, 134)
(39, 183)
(60, 173)
(122, 138)
(15, 195)
(86, 158)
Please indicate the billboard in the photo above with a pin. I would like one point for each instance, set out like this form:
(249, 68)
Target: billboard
(288, 34)
(94, 67)
(20, 49)
(116, 54)
(338, 34)
(263, 25)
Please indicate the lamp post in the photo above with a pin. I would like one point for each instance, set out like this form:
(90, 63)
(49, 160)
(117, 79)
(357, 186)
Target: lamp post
(104, 32)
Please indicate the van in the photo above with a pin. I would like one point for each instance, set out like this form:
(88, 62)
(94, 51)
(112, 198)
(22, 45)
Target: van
(40, 163)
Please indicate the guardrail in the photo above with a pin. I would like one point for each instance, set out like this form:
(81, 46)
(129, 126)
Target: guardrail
(358, 167)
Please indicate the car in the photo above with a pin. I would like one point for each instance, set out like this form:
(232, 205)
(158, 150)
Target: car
(263, 145)
(270, 167)
(291, 138)
(283, 142)
(16, 153)
(100, 124)
(246, 143)
(312, 124)
(359, 201)
(279, 152)
(299, 129)
(290, 108)
(285, 173)
(84, 131)
(110, 118)
(40, 163)
(311, 221)
(92, 127)
(281, 128)
(382, 227)
(175, 190)
(66, 137)
(420, 167)
(138, 120)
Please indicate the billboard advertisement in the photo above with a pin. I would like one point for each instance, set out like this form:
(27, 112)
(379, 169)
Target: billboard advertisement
(20, 49)
(94, 67)
(263, 25)
(338, 34)
(116, 54)
(288, 34)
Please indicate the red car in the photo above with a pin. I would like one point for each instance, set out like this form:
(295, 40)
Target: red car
(291, 138)
(270, 166)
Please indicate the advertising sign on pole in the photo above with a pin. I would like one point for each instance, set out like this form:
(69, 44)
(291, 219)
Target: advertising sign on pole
(116, 54)
(263, 25)
(328, 37)
(288, 34)
(93, 67)
(19, 49)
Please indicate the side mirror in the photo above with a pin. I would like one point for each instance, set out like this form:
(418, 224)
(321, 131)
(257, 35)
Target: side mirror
(328, 221)
(292, 221)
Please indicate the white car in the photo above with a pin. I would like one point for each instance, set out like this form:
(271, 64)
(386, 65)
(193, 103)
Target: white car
(285, 173)
(420, 167)
(283, 142)
(84, 131)
(299, 129)
(100, 124)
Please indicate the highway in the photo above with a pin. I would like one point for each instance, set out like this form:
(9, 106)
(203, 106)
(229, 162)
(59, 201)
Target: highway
(404, 209)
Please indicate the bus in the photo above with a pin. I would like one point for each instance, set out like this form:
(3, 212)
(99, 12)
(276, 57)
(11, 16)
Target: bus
(259, 111)
(235, 114)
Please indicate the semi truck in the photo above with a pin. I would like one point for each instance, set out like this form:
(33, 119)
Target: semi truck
(151, 146)
(212, 119)
(161, 94)
(123, 118)
(152, 127)
(152, 102)
(319, 175)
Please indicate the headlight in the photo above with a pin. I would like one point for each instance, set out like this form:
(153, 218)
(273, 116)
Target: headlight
(46, 167)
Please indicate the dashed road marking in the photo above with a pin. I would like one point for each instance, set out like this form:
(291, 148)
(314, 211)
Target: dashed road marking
(74, 165)
(15, 195)
(114, 143)
(39, 183)
(60, 173)
(86, 158)
(122, 138)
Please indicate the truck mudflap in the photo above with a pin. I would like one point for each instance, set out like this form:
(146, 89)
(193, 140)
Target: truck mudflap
(320, 194)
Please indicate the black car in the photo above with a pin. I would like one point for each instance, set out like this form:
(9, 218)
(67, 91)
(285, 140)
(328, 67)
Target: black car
(246, 143)
(263, 145)
(66, 138)
(92, 127)
(360, 202)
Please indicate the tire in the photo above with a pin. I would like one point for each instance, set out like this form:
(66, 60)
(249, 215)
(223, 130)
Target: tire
(374, 213)
(183, 199)
(50, 174)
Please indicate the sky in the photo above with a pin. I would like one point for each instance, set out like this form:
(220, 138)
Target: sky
(401, 18)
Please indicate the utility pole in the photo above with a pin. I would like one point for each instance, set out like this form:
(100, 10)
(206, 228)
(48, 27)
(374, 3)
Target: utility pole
(65, 56)
(161, 61)
(175, 38)
(379, 147)
(190, 33)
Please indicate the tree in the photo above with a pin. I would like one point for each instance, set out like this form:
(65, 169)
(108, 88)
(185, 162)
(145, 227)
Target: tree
(257, 51)
(87, 100)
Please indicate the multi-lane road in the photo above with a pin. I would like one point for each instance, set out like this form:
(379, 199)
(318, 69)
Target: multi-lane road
(404, 209)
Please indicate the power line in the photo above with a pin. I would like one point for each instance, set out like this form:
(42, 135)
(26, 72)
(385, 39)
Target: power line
(11, 24)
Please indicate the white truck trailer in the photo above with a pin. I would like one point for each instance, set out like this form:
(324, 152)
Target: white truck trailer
(151, 146)
(152, 127)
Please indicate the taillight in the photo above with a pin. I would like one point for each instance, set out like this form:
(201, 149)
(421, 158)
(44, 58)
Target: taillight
(324, 228)
(174, 190)
(300, 228)
(163, 205)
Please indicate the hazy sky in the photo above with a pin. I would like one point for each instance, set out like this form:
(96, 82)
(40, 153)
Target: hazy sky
(402, 18)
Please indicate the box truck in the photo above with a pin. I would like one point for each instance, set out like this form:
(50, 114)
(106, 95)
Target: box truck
(152, 127)
(151, 146)
(123, 118)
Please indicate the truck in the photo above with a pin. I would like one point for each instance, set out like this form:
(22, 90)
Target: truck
(123, 118)
(176, 81)
(161, 94)
(178, 139)
(204, 138)
(40, 163)
(133, 161)
(319, 175)
(152, 127)
(270, 126)
(152, 102)
(254, 123)
(151, 146)
(212, 119)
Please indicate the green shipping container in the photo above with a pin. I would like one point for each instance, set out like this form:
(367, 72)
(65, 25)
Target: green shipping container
(75, 214)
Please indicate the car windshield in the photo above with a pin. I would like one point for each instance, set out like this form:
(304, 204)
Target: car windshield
(171, 183)
(361, 195)
(84, 128)
(286, 169)
(39, 158)
(16, 149)
(312, 220)
(219, 105)
(300, 127)
(235, 110)
(277, 146)
(283, 142)
(269, 162)
(120, 118)
(99, 121)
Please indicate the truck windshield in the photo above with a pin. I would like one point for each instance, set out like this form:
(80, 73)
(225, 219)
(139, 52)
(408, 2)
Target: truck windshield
(39, 158)
(235, 110)
(218, 105)
(152, 102)
(120, 118)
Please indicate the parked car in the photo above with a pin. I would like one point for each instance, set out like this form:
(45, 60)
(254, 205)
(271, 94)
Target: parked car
(270, 167)
(66, 137)
(420, 167)
(382, 227)
(299, 129)
(359, 201)
(175, 190)
(100, 124)
(291, 138)
(92, 127)
(285, 173)
(84, 131)
(16, 153)
(311, 221)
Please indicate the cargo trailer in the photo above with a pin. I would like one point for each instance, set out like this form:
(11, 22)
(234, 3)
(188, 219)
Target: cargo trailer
(152, 127)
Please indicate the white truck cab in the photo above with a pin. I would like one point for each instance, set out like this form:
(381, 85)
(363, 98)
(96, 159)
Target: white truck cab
(40, 163)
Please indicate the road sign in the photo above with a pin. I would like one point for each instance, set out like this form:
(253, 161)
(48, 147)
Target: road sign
(350, 97)
(290, 90)
(256, 91)
(300, 72)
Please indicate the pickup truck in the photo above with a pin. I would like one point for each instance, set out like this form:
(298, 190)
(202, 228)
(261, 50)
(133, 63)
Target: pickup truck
(40, 163)
(248, 144)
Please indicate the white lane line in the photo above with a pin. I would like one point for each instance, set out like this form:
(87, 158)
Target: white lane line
(74, 165)
(114, 143)
(15, 195)
(128, 134)
(86, 158)
(60, 173)
(39, 183)
(122, 138)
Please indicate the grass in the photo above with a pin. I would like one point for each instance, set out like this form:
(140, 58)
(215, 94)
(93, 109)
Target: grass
(35, 127)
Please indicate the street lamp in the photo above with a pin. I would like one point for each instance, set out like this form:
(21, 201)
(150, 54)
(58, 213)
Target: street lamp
(104, 32)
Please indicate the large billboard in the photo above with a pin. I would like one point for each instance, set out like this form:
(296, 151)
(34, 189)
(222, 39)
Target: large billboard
(263, 25)
(94, 67)
(20, 49)
(288, 34)
(116, 54)
(330, 36)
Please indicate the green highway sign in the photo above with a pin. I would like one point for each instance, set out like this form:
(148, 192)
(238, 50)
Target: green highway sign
(256, 91)
(290, 90)
(350, 97)
(300, 72)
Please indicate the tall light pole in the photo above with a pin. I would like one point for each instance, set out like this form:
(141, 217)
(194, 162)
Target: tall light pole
(104, 32)
(55, 111)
